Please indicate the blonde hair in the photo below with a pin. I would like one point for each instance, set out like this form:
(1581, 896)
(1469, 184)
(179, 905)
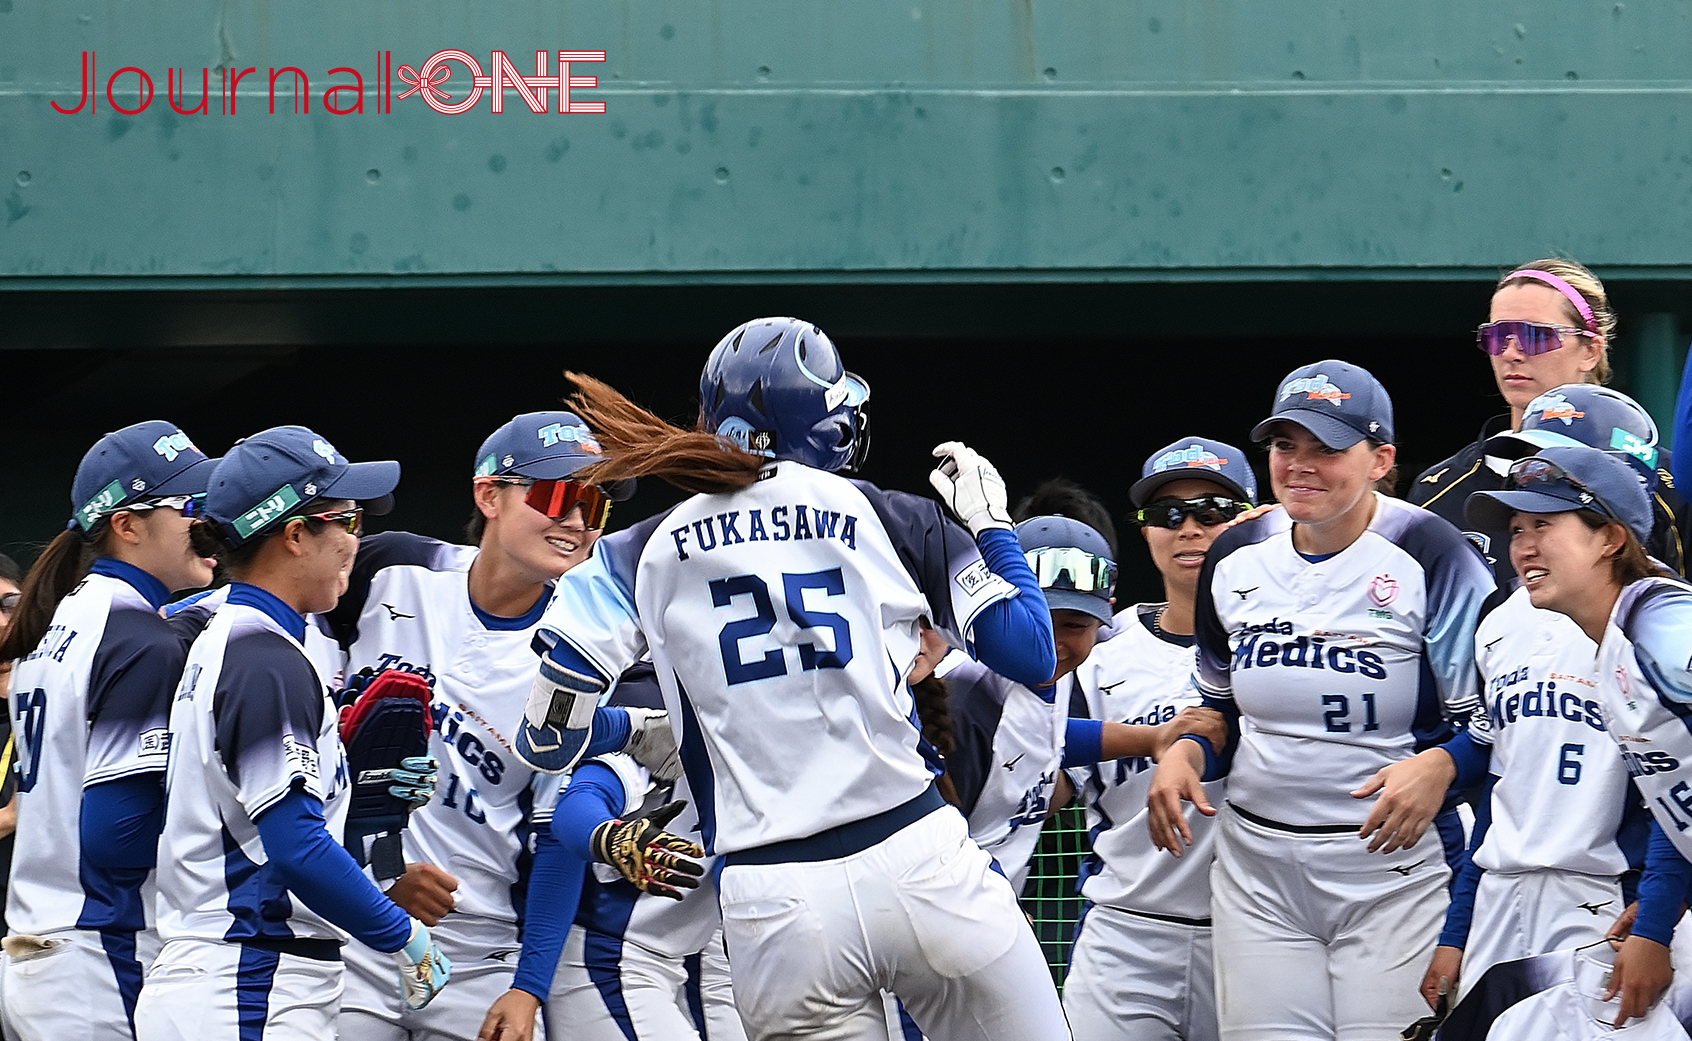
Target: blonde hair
(1587, 285)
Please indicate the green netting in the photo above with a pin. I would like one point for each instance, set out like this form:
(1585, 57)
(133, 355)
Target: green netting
(1049, 896)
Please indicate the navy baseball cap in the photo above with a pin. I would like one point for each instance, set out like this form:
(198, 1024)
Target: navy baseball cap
(1071, 562)
(545, 446)
(263, 479)
(1196, 458)
(1577, 478)
(1337, 401)
(147, 460)
(1584, 414)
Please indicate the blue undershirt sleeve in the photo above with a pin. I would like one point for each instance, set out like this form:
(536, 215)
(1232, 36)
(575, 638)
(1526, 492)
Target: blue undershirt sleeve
(1083, 742)
(320, 871)
(595, 795)
(1217, 764)
(610, 725)
(1662, 888)
(555, 888)
(121, 822)
(1460, 915)
(1013, 636)
(1472, 758)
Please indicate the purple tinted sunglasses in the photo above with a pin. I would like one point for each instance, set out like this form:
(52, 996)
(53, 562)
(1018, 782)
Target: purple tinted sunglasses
(1532, 337)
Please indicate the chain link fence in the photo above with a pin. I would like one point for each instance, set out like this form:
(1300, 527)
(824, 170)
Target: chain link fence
(1050, 896)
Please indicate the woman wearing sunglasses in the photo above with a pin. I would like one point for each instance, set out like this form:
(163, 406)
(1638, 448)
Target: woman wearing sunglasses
(463, 617)
(90, 699)
(258, 894)
(1336, 634)
(1575, 517)
(1141, 966)
(1550, 324)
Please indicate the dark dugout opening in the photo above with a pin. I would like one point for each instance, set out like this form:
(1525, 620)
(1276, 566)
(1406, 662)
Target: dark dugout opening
(1082, 381)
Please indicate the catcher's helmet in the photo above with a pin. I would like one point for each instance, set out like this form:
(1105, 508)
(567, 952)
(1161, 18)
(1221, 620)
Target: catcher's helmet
(777, 387)
(1584, 414)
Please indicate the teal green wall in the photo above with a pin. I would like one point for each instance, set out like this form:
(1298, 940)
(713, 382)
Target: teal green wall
(1025, 140)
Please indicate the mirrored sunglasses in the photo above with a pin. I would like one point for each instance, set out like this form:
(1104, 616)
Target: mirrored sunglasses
(1531, 338)
(351, 519)
(1536, 472)
(1208, 510)
(1086, 572)
(189, 505)
(555, 499)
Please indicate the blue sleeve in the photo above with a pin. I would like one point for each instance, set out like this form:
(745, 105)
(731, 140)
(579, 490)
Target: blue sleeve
(1083, 742)
(595, 795)
(320, 871)
(1472, 757)
(1217, 764)
(1460, 915)
(1013, 636)
(121, 822)
(555, 887)
(610, 725)
(1662, 889)
(1682, 471)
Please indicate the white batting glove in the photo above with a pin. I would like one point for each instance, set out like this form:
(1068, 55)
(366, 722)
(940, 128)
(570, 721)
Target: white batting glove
(652, 743)
(423, 968)
(970, 487)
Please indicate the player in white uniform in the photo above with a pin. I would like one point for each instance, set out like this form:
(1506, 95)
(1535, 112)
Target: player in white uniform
(637, 966)
(1577, 518)
(90, 699)
(1560, 833)
(1141, 965)
(256, 887)
(463, 618)
(1338, 631)
(781, 609)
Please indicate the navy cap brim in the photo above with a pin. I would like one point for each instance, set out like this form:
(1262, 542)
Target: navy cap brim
(1326, 428)
(1071, 600)
(1143, 489)
(554, 468)
(364, 482)
(192, 479)
(1490, 511)
(1519, 444)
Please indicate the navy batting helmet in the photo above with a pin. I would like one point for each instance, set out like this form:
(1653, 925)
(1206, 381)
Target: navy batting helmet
(1584, 414)
(777, 387)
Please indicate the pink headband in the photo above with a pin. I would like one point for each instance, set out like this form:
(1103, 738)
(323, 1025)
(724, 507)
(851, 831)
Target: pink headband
(1562, 287)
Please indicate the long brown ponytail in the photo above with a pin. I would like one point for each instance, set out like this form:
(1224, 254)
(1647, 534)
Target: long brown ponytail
(55, 573)
(639, 444)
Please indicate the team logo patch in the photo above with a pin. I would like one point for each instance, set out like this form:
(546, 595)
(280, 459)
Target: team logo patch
(1555, 406)
(275, 505)
(323, 448)
(106, 498)
(155, 742)
(553, 433)
(301, 758)
(1191, 456)
(972, 578)
(1315, 388)
(739, 431)
(1383, 590)
(172, 445)
(1634, 446)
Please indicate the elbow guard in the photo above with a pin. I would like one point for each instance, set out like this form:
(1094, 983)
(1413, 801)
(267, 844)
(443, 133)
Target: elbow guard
(558, 720)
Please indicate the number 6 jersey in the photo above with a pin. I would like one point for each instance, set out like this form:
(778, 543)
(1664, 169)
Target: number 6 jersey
(782, 619)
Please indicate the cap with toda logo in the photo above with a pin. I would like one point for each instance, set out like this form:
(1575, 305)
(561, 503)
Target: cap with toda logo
(544, 446)
(1340, 403)
(1584, 414)
(1196, 458)
(265, 478)
(149, 460)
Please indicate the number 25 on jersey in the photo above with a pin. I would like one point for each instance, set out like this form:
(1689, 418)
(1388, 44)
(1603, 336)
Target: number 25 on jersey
(725, 591)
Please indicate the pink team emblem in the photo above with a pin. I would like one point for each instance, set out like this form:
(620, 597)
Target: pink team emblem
(1383, 590)
(1621, 681)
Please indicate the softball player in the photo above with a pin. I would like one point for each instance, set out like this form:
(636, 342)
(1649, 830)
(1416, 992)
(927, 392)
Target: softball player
(1338, 634)
(258, 888)
(1141, 965)
(463, 618)
(89, 706)
(1550, 325)
(1576, 517)
(1559, 831)
(781, 606)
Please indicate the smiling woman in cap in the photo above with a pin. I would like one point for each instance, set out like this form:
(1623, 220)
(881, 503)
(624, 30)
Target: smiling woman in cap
(1576, 518)
(257, 888)
(91, 697)
(1341, 629)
